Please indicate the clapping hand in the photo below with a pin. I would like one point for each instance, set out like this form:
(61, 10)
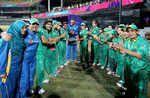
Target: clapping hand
(6, 37)
(118, 47)
(3, 76)
(89, 33)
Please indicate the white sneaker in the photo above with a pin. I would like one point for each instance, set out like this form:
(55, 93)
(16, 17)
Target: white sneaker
(123, 93)
(46, 81)
(41, 91)
(77, 62)
(62, 66)
(124, 88)
(66, 63)
(32, 91)
(98, 64)
(117, 76)
(109, 73)
(107, 69)
(121, 81)
(94, 64)
(102, 67)
(119, 84)
(56, 74)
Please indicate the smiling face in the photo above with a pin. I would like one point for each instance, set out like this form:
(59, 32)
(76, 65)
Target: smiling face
(48, 26)
(65, 26)
(73, 22)
(34, 27)
(132, 33)
(120, 31)
(82, 27)
(100, 30)
(111, 28)
(94, 24)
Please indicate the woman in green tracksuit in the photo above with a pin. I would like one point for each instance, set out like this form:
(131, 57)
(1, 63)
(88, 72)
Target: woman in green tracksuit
(59, 48)
(137, 66)
(104, 37)
(52, 49)
(94, 32)
(111, 53)
(84, 45)
(41, 54)
(100, 48)
(62, 45)
(119, 57)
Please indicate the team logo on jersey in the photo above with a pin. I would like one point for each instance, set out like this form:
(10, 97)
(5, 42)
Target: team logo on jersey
(30, 41)
(143, 45)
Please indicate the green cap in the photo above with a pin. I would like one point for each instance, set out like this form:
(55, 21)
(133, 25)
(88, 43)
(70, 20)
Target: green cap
(83, 24)
(111, 32)
(133, 27)
(122, 25)
(107, 29)
(34, 20)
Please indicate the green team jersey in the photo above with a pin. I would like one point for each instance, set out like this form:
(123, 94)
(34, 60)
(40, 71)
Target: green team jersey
(141, 46)
(41, 46)
(63, 31)
(95, 31)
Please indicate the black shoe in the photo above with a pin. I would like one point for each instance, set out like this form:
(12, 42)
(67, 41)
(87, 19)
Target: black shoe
(86, 66)
(30, 93)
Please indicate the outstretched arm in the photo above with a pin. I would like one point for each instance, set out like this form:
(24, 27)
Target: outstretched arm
(6, 37)
(129, 52)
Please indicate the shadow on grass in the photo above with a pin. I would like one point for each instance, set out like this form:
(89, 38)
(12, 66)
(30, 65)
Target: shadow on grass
(54, 95)
(108, 82)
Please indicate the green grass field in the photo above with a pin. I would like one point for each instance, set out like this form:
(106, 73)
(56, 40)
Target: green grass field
(74, 82)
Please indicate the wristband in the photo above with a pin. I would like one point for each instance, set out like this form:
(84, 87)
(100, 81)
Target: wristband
(123, 53)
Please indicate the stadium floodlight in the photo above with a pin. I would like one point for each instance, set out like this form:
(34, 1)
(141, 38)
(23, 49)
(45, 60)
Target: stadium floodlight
(49, 5)
(120, 12)
(62, 2)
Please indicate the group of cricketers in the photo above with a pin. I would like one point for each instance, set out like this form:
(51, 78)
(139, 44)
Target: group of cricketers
(28, 50)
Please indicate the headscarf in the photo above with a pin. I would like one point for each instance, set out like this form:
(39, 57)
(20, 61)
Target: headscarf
(17, 43)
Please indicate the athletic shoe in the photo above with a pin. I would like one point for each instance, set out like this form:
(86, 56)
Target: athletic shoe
(102, 67)
(119, 84)
(94, 64)
(41, 91)
(46, 81)
(117, 76)
(30, 93)
(76, 62)
(59, 69)
(98, 64)
(107, 69)
(56, 74)
(109, 73)
(67, 63)
(62, 66)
